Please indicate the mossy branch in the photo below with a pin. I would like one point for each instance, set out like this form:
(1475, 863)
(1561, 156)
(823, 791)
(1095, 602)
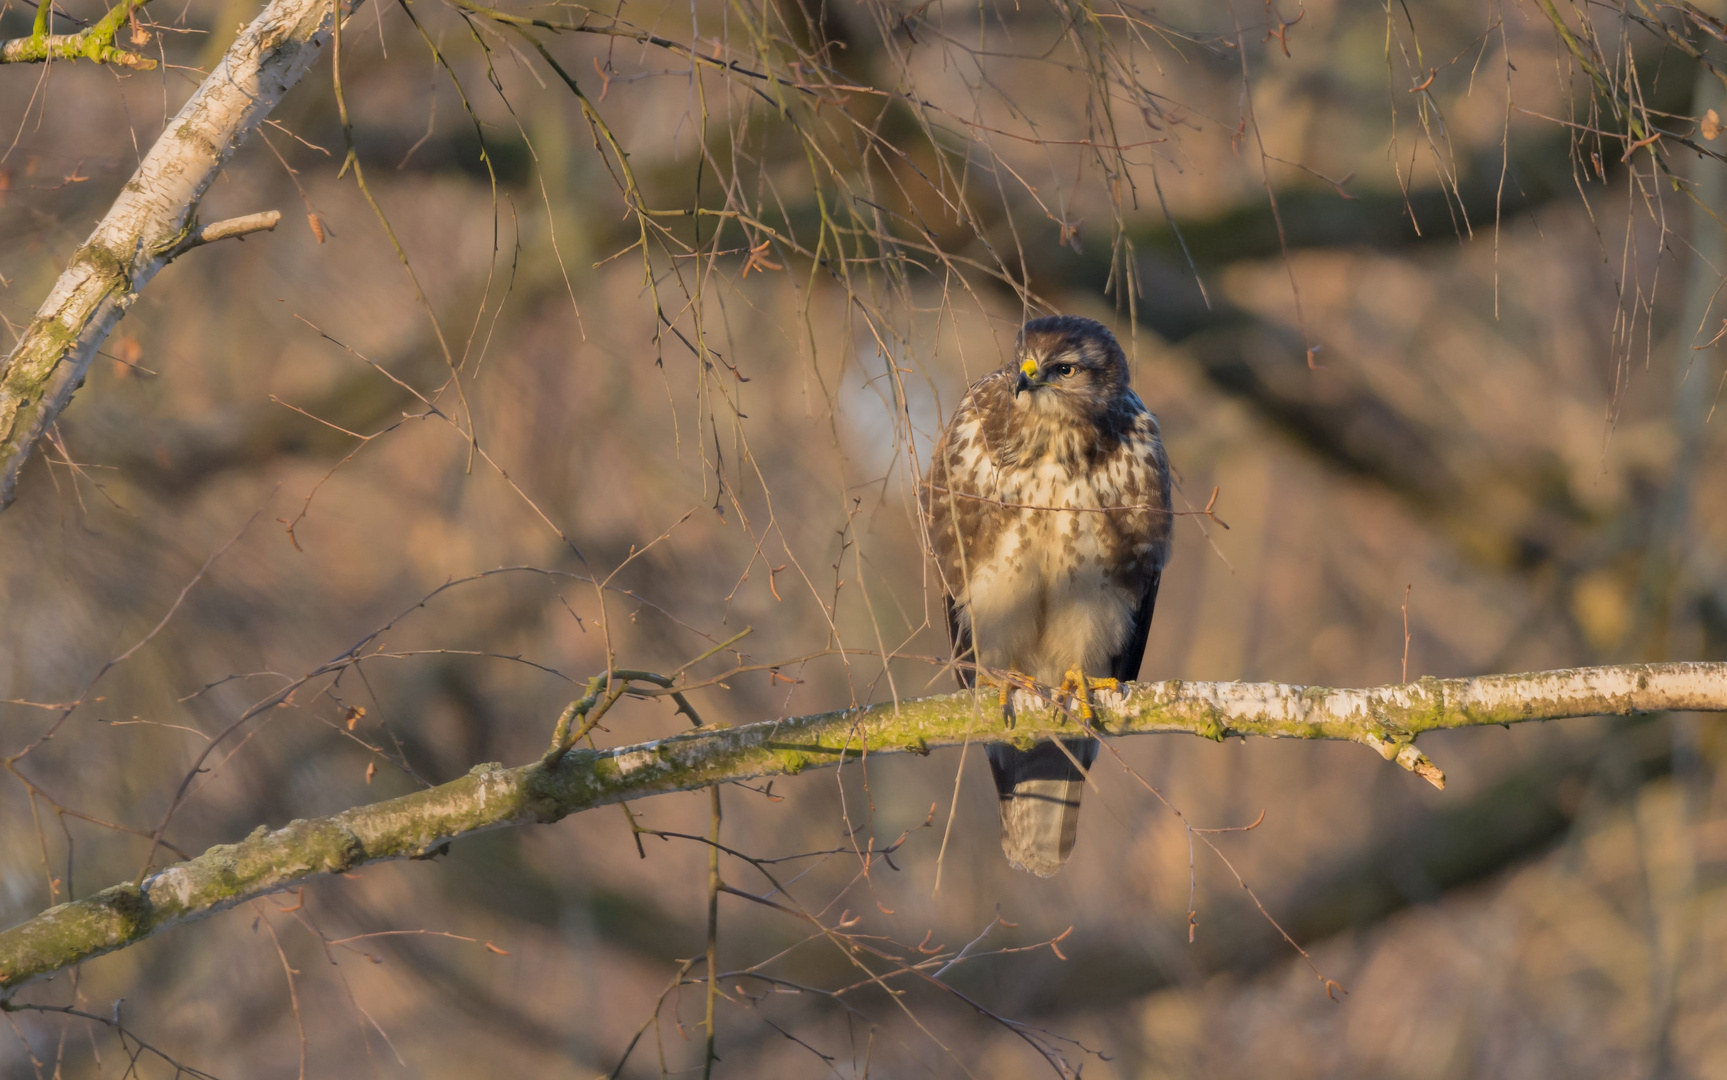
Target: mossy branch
(92, 43)
(1387, 718)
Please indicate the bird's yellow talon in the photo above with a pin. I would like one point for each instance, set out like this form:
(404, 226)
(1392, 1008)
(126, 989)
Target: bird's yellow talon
(1079, 686)
(1075, 684)
(1007, 682)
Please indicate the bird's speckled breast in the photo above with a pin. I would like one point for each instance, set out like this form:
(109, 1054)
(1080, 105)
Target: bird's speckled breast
(1043, 584)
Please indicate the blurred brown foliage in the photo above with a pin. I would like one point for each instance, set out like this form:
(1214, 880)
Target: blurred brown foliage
(1506, 410)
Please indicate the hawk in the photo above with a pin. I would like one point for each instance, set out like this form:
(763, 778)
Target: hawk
(1047, 506)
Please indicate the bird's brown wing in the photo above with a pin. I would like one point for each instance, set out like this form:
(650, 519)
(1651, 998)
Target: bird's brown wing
(1124, 665)
(962, 527)
(959, 636)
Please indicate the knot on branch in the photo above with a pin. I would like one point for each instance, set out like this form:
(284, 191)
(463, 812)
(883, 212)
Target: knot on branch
(1213, 727)
(126, 902)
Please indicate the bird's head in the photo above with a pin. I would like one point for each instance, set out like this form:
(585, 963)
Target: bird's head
(1068, 367)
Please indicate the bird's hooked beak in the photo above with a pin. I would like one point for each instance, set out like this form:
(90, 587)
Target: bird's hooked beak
(1027, 376)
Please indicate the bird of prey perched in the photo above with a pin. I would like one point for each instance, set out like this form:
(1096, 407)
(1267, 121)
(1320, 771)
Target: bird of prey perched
(1048, 511)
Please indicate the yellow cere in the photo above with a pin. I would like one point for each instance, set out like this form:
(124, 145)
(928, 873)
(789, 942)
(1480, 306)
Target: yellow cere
(1029, 367)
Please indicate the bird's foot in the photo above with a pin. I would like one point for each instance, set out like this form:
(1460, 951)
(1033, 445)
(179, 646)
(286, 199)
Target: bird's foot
(1079, 686)
(1007, 682)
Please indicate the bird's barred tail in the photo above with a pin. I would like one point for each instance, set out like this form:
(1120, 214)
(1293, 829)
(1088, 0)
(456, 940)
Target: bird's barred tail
(1040, 790)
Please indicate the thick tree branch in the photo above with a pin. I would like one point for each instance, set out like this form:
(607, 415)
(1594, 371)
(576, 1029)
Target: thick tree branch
(1386, 718)
(151, 222)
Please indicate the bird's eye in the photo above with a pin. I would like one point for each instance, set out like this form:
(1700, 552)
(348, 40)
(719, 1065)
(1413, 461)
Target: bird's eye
(1064, 370)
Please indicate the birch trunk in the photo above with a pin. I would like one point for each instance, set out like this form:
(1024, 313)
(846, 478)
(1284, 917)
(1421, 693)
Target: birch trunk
(153, 220)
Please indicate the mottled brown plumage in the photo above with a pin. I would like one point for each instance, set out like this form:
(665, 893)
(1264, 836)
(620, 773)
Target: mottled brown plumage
(1048, 512)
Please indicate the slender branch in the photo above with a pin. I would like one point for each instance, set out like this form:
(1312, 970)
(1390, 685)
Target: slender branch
(1387, 718)
(712, 975)
(92, 43)
(151, 222)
